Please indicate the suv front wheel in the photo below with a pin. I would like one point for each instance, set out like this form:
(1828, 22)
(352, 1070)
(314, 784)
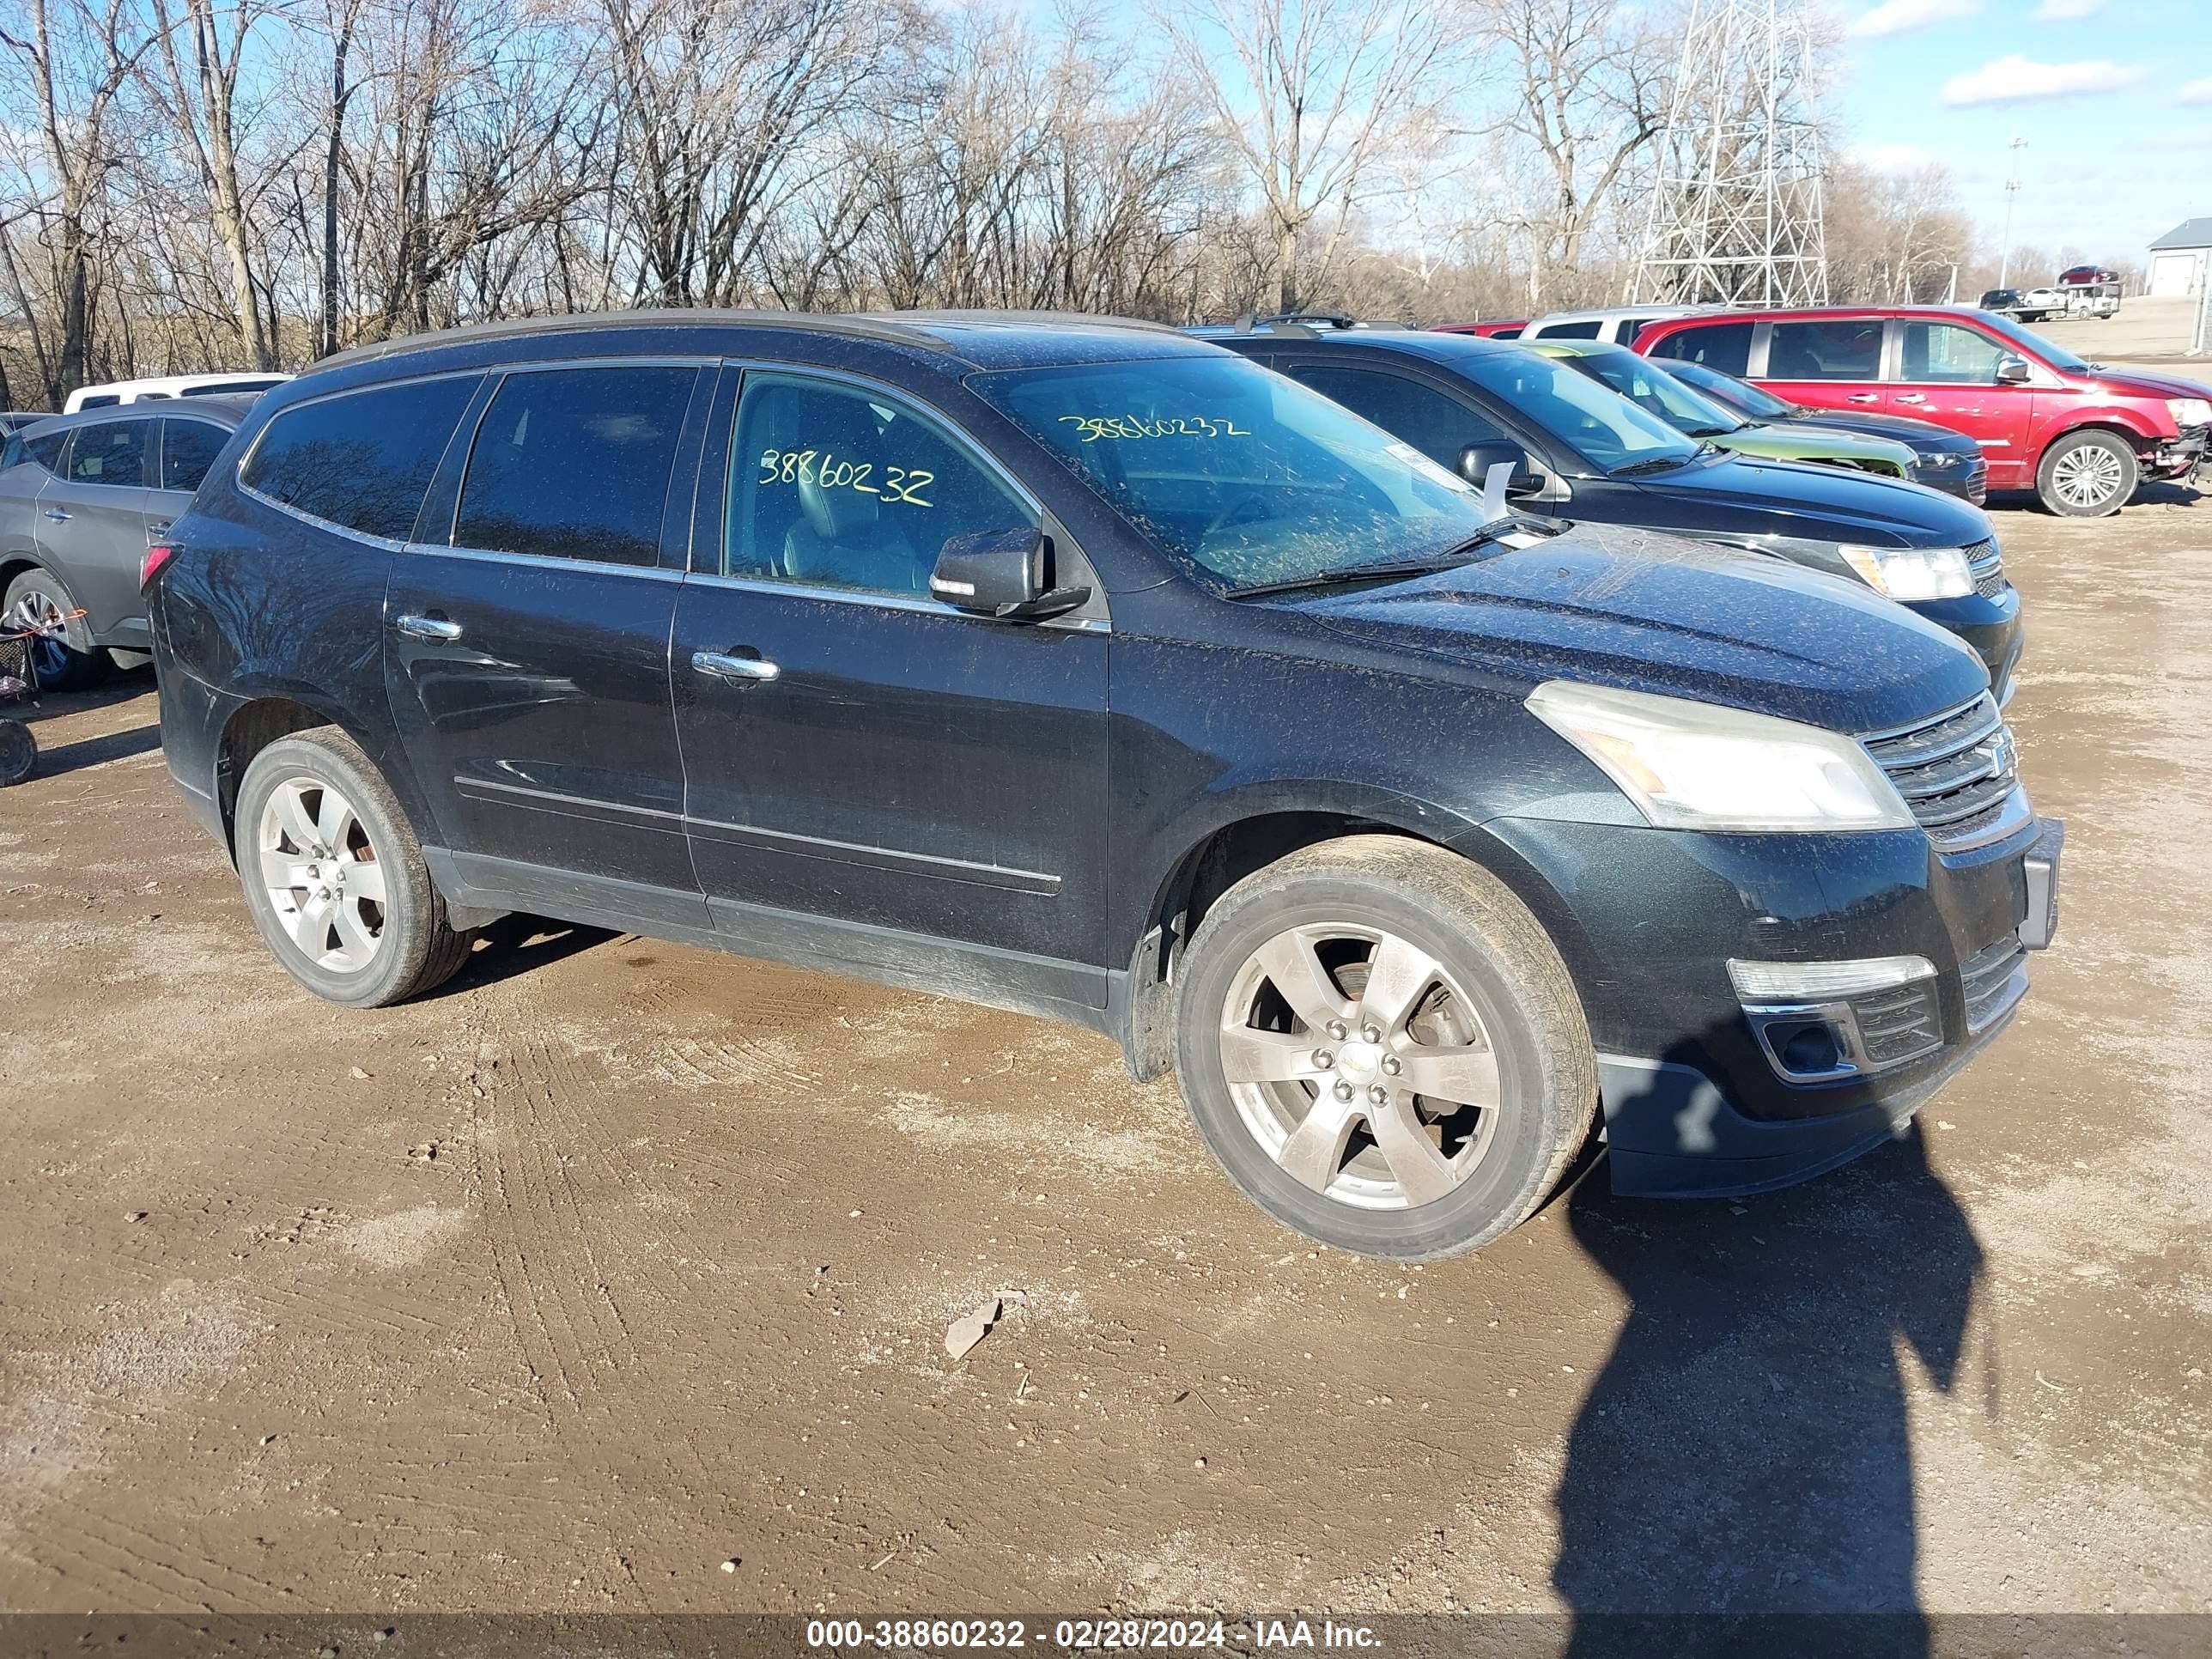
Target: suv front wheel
(1383, 1049)
(2087, 475)
(335, 877)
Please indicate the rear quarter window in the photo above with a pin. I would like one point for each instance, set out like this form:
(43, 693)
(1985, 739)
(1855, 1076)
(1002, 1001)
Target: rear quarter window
(360, 459)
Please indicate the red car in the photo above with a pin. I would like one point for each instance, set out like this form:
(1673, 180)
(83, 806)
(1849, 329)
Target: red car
(1501, 330)
(2085, 275)
(2081, 436)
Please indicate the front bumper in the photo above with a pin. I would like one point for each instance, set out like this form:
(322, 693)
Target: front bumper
(1649, 919)
(1990, 625)
(2178, 458)
(1969, 481)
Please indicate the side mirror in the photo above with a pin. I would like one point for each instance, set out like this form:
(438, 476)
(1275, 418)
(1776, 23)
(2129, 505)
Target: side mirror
(2013, 371)
(1476, 460)
(1002, 573)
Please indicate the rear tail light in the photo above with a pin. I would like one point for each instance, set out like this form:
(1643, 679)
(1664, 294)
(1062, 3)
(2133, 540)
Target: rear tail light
(157, 558)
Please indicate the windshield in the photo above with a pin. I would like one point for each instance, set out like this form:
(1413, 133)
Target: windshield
(2056, 357)
(1597, 422)
(1653, 389)
(1754, 402)
(1250, 477)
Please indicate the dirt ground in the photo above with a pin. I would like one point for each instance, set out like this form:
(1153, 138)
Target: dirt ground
(619, 1261)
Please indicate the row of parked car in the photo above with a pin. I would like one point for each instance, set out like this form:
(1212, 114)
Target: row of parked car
(2083, 436)
(1443, 754)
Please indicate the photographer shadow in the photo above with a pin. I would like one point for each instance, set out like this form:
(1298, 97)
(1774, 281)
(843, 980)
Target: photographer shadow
(1740, 1478)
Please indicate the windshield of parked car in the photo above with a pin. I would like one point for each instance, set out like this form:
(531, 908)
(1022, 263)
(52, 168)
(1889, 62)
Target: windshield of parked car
(2056, 357)
(1591, 418)
(1755, 403)
(1250, 477)
(1653, 389)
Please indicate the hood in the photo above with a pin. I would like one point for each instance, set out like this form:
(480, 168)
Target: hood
(1819, 503)
(1609, 606)
(2136, 383)
(1914, 435)
(1800, 440)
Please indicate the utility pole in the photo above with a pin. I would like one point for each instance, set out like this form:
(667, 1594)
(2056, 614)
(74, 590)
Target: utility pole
(2012, 189)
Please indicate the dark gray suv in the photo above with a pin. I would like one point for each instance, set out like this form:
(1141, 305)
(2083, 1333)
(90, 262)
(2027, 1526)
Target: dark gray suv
(81, 498)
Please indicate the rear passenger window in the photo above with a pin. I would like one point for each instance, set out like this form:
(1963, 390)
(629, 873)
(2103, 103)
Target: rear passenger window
(833, 487)
(1846, 350)
(110, 453)
(188, 449)
(1587, 330)
(361, 460)
(1438, 426)
(574, 463)
(1724, 346)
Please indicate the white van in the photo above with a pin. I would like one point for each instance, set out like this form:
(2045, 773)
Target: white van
(1616, 324)
(166, 386)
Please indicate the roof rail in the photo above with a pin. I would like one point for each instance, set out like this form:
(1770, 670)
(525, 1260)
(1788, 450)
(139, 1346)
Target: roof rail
(1064, 318)
(874, 327)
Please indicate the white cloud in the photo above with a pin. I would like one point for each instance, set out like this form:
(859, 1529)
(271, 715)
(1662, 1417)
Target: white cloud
(1895, 16)
(1893, 158)
(2014, 79)
(2065, 11)
(2198, 91)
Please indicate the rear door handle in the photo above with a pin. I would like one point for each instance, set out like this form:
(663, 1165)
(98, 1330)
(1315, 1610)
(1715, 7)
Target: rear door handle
(158, 529)
(429, 628)
(743, 670)
(56, 514)
(1864, 397)
(1910, 398)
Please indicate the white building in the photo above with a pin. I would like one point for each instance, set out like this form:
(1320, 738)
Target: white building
(2178, 260)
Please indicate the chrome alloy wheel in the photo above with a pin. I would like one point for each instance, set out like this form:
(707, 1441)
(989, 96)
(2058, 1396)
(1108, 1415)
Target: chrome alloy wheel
(322, 875)
(1360, 1067)
(2087, 475)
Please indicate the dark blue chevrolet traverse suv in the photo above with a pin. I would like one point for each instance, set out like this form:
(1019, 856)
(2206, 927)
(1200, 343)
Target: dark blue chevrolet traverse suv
(1089, 669)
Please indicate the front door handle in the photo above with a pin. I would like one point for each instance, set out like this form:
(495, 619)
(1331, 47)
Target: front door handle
(1864, 397)
(742, 670)
(56, 514)
(429, 628)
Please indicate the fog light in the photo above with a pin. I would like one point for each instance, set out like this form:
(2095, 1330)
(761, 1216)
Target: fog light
(1812, 1031)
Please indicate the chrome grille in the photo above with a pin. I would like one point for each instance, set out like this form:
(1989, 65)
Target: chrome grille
(1986, 561)
(1994, 978)
(1958, 772)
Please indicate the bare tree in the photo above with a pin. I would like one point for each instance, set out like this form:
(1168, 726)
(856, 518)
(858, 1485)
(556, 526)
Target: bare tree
(1310, 94)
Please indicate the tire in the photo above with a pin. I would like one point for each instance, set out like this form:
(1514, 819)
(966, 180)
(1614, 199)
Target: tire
(71, 662)
(2087, 475)
(1493, 1017)
(19, 752)
(313, 807)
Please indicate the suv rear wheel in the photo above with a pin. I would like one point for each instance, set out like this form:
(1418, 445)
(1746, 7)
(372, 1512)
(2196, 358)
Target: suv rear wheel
(2087, 475)
(66, 659)
(335, 877)
(1383, 1049)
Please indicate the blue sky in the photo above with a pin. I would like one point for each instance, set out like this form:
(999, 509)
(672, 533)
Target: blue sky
(2114, 97)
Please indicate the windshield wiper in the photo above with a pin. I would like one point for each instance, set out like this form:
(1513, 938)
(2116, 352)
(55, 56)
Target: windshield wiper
(1653, 462)
(1388, 570)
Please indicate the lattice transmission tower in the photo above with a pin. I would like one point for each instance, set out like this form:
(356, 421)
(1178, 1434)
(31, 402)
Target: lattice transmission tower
(1735, 207)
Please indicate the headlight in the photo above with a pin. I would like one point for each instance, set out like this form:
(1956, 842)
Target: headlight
(2190, 411)
(1937, 459)
(1912, 572)
(1695, 766)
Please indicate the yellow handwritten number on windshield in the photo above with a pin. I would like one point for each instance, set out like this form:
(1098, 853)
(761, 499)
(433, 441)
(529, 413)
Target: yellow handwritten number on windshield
(1092, 428)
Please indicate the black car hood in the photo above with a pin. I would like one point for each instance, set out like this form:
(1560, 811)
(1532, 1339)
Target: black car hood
(1610, 605)
(1920, 435)
(1820, 503)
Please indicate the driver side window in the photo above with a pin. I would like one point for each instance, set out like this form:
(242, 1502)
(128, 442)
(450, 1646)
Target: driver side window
(834, 486)
(1945, 353)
